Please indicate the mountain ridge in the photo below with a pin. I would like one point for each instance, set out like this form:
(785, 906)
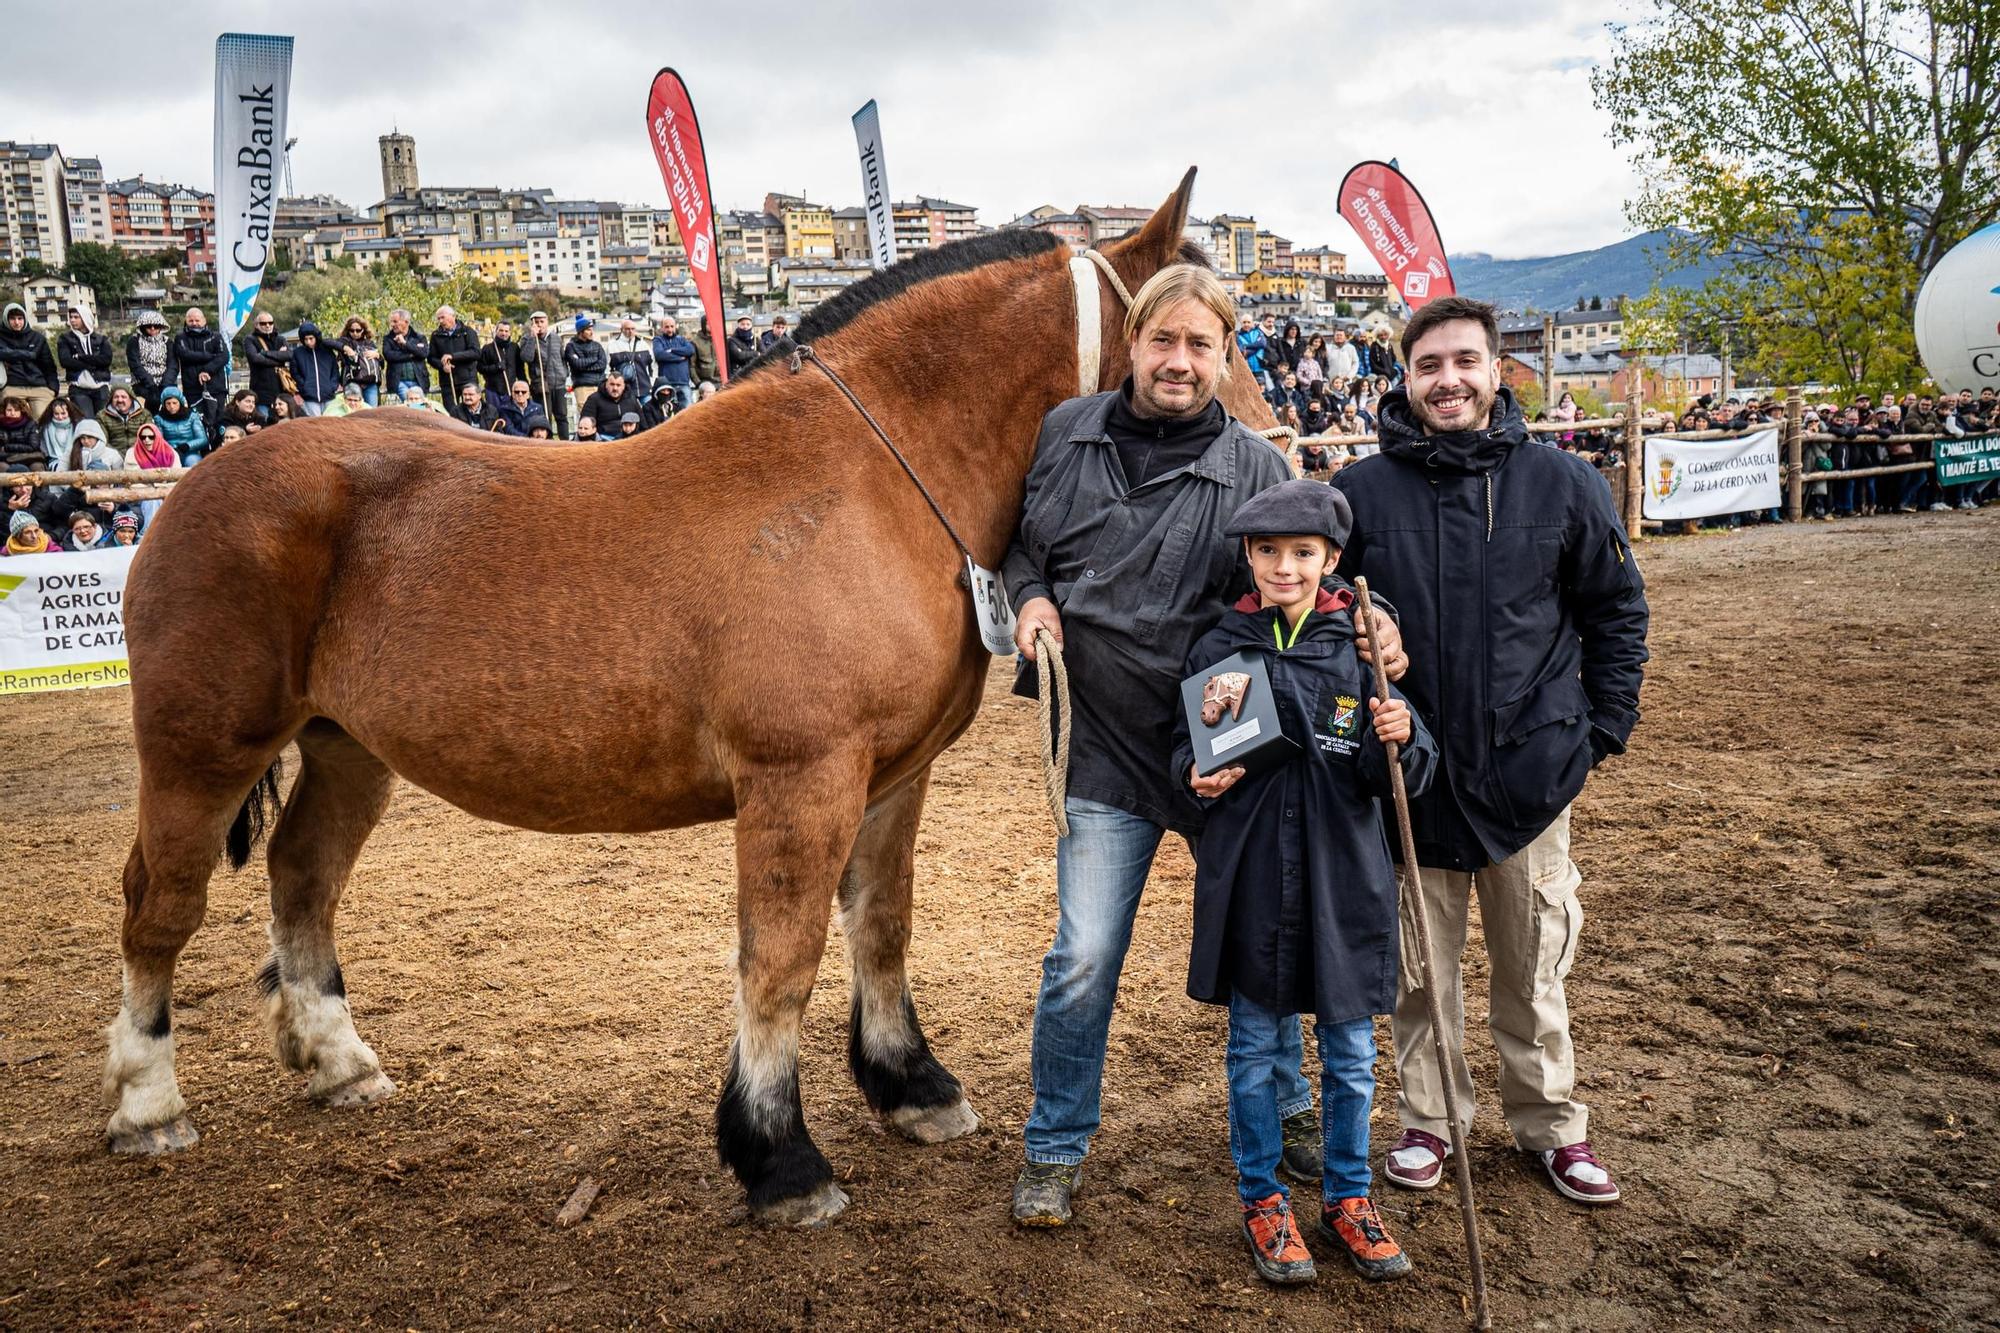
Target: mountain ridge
(1555, 282)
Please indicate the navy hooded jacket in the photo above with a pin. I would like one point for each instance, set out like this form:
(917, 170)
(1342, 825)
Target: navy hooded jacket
(1294, 888)
(315, 368)
(1522, 611)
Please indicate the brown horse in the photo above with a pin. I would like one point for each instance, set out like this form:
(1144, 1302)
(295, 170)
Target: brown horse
(793, 648)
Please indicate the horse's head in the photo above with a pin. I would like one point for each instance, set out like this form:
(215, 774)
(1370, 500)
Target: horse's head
(1140, 254)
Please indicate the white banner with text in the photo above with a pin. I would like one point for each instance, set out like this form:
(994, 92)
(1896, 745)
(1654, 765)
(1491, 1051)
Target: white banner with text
(62, 620)
(1699, 479)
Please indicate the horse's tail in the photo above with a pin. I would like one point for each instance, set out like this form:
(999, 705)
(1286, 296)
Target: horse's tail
(259, 807)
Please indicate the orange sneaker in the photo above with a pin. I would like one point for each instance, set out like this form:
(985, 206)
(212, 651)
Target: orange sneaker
(1358, 1227)
(1276, 1247)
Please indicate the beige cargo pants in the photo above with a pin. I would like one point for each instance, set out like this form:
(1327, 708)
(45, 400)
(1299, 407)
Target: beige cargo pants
(1530, 914)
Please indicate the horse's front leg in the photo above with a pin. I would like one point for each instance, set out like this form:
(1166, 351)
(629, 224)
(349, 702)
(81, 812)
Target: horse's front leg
(886, 1049)
(795, 826)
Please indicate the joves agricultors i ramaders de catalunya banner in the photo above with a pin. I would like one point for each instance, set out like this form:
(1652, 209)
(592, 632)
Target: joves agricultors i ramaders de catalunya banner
(1392, 220)
(253, 82)
(1690, 479)
(62, 620)
(676, 136)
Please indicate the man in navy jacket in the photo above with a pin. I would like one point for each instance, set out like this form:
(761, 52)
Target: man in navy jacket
(1525, 621)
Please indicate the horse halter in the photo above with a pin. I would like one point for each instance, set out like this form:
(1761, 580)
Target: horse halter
(1089, 355)
(1090, 316)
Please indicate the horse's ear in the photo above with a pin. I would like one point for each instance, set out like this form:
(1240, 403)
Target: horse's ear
(1159, 241)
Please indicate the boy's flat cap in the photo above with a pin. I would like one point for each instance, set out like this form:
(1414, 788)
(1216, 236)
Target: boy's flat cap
(1292, 508)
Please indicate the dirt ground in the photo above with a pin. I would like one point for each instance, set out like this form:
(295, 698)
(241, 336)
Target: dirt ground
(1784, 1008)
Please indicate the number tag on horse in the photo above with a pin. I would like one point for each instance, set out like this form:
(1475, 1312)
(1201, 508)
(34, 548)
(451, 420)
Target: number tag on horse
(990, 605)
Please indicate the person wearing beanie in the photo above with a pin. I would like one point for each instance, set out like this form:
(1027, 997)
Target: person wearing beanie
(25, 535)
(181, 425)
(125, 530)
(587, 364)
(1295, 892)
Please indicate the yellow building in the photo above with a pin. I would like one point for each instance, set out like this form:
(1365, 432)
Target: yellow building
(808, 231)
(503, 263)
(1277, 282)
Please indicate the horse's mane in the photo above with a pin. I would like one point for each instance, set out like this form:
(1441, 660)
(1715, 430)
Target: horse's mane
(848, 304)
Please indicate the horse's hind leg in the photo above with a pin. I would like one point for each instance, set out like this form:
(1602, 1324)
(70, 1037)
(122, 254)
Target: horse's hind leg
(185, 815)
(336, 803)
(795, 825)
(885, 1044)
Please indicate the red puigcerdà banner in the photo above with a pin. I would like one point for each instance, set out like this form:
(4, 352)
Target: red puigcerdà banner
(1389, 215)
(676, 136)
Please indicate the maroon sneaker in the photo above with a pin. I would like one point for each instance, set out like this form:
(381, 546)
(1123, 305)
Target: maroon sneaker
(1416, 1161)
(1579, 1175)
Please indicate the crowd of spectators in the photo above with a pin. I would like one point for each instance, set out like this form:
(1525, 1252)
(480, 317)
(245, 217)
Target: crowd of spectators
(62, 411)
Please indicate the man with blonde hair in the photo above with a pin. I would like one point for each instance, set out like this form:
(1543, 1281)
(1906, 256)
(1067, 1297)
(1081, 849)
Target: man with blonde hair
(1120, 555)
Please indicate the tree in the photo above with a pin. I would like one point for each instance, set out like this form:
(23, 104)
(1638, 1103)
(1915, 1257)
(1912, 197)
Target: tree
(106, 270)
(1826, 152)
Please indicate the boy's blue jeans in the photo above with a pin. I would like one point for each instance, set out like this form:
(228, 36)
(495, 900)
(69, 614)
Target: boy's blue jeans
(1260, 1060)
(1100, 869)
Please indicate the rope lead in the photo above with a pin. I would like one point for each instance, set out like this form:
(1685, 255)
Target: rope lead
(1055, 744)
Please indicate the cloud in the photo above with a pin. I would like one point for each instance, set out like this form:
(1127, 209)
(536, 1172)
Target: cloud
(1002, 108)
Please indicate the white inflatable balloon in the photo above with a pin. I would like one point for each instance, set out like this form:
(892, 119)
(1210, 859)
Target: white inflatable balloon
(1958, 315)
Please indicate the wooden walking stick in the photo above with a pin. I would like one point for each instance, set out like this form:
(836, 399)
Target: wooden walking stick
(1364, 624)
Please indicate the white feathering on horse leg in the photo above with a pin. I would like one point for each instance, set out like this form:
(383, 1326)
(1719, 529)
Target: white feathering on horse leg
(139, 1079)
(767, 1068)
(314, 1033)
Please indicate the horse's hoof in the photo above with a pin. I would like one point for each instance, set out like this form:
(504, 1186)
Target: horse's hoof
(806, 1210)
(935, 1124)
(363, 1091)
(154, 1140)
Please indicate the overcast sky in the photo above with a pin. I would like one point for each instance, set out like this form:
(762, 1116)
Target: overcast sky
(1003, 107)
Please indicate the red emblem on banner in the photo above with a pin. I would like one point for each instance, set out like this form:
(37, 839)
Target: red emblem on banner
(1389, 215)
(676, 139)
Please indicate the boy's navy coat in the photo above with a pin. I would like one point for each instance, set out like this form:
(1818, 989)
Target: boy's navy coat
(1295, 893)
(1523, 613)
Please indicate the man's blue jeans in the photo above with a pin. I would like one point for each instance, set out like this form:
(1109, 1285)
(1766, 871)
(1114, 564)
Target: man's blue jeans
(1101, 868)
(1263, 1063)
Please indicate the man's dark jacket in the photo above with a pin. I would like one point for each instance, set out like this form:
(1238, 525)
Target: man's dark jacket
(461, 344)
(1294, 890)
(587, 363)
(742, 349)
(267, 353)
(30, 364)
(500, 365)
(85, 351)
(404, 361)
(194, 352)
(606, 410)
(315, 367)
(1522, 611)
(1138, 573)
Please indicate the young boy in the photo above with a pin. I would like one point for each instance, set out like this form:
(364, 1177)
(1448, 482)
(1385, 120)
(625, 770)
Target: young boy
(1295, 894)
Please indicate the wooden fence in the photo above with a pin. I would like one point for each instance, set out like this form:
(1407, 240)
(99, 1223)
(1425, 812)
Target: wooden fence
(121, 484)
